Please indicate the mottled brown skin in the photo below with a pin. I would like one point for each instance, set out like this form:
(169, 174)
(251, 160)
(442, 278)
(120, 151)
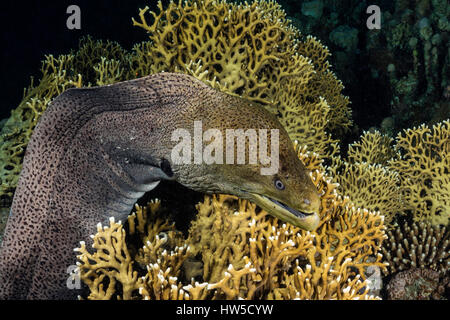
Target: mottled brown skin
(95, 151)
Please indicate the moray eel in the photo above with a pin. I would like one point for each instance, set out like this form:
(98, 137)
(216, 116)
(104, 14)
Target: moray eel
(96, 151)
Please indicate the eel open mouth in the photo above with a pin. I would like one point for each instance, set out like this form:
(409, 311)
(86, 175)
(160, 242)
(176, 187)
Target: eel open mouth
(305, 220)
(297, 213)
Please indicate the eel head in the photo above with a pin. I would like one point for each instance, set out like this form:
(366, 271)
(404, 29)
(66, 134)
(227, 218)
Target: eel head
(288, 195)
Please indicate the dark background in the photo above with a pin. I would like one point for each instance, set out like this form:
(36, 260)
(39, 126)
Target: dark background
(31, 29)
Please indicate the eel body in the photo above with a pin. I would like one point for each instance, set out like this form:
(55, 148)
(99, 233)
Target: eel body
(95, 151)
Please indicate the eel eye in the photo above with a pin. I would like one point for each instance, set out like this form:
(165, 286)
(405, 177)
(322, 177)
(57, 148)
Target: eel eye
(278, 184)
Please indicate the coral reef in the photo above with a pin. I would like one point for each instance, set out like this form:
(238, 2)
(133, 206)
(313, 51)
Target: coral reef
(238, 251)
(407, 176)
(417, 284)
(407, 59)
(112, 265)
(313, 9)
(2, 123)
(111, 260)
(423, 166)
(417, 245)
(257, 54)
(365, 177)
(101, 62)
(407, 180)
(345, 37)
(373, 148)
(370, 185)
(233, 249)
(418, 72)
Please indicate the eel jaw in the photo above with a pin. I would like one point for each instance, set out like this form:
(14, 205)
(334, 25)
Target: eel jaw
(307, 221)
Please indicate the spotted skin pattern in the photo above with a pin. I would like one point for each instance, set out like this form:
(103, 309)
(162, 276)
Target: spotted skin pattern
(95, 151)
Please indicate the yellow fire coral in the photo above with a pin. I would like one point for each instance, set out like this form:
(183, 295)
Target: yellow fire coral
(18, 129)
(371, 186)
(89, 58)
(111, 264)
(424, 171)
(241, 251)
(253, 51)
(366, 178)
(373, 148)
(111, 260)
(410, 176)
(228, 232)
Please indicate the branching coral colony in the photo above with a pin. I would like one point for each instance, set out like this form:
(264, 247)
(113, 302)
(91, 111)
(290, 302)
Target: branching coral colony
(253, 51)
(236, 251)
(411, 176)
(257, 55)
(412, 179)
